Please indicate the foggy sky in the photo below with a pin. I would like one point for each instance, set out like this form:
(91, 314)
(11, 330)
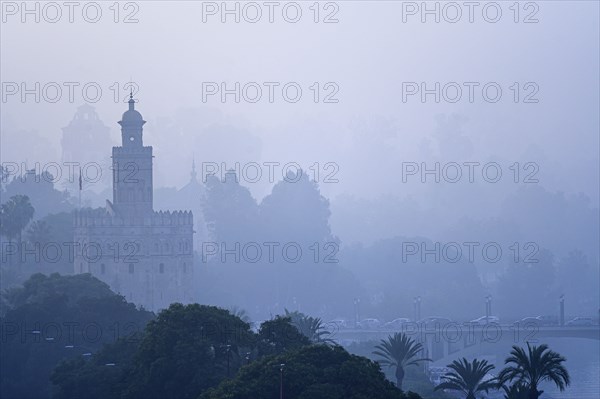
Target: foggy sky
(368, 54)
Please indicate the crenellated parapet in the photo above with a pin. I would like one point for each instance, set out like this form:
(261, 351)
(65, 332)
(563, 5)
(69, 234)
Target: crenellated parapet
(132, 150)
(92, 217)
(173, 218)
(100, 217)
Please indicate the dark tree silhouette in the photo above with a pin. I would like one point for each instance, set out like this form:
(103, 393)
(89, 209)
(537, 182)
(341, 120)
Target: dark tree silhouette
(296, 211)
(515, 391)
(15, 214)
(311, 327)
(400, 351)
(468, 377)
(61, 309)
(310, 372)
(533, 366)
(230, 211)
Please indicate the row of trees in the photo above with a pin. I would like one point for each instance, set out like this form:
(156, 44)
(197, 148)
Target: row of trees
(53, 318)
(15, 215)
(294, 211)
(33, 246)
(526, 369)
(205, 352)
(72, 337)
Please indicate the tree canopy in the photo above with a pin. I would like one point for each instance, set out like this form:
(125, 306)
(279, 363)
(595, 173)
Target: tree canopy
(55, 318)
(310, 372)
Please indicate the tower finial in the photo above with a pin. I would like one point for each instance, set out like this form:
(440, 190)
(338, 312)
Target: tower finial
(131, 100)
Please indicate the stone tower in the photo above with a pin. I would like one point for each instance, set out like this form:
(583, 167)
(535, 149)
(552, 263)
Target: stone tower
(144, 255)
(132, 167)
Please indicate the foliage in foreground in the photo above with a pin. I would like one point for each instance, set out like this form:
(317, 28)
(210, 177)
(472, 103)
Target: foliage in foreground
(311, 372)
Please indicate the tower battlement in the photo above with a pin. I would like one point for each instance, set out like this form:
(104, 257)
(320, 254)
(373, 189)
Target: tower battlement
(145, 255)
(95, 217)
(132, 150)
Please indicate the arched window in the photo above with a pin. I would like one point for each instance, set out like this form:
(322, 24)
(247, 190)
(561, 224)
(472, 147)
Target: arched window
(102, 268)
(161, 268)
(131, 268)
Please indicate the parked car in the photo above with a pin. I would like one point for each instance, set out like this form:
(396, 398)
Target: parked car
(483, 320)
(396, 324)
(435, 321)
(369, 324)
(547, 321)
(337, 324)
(530, 321)
(580, 322)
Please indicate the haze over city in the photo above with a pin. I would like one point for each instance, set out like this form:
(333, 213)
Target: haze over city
(351, 176)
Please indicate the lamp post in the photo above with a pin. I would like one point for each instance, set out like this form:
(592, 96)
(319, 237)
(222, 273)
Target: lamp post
(561, 300)
(228, 349)
(281, 366)
(356, 313)
(488, 308)
(417, 305)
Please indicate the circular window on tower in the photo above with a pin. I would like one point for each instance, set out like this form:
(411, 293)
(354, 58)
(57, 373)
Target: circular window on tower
(131, 138)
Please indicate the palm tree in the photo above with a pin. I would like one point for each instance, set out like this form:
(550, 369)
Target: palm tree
(516, 391)
(468, 377)
(399, 351)
(311, 327)
(534, 366)
(15, 214)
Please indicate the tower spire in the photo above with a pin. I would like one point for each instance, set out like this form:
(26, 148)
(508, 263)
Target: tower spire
(131, 100)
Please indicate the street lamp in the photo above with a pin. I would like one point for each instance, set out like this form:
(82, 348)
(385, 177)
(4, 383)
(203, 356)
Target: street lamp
(417, 303)
(488, 308)
(356, 313)
(562, 309)
(228, 349)
(281, 366)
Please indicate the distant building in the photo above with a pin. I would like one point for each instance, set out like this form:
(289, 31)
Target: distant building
(191, 196)
(85, 137)
(84, 142)
(144, 255)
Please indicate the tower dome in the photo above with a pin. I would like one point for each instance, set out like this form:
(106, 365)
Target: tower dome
(131, 115)
(131, 125)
